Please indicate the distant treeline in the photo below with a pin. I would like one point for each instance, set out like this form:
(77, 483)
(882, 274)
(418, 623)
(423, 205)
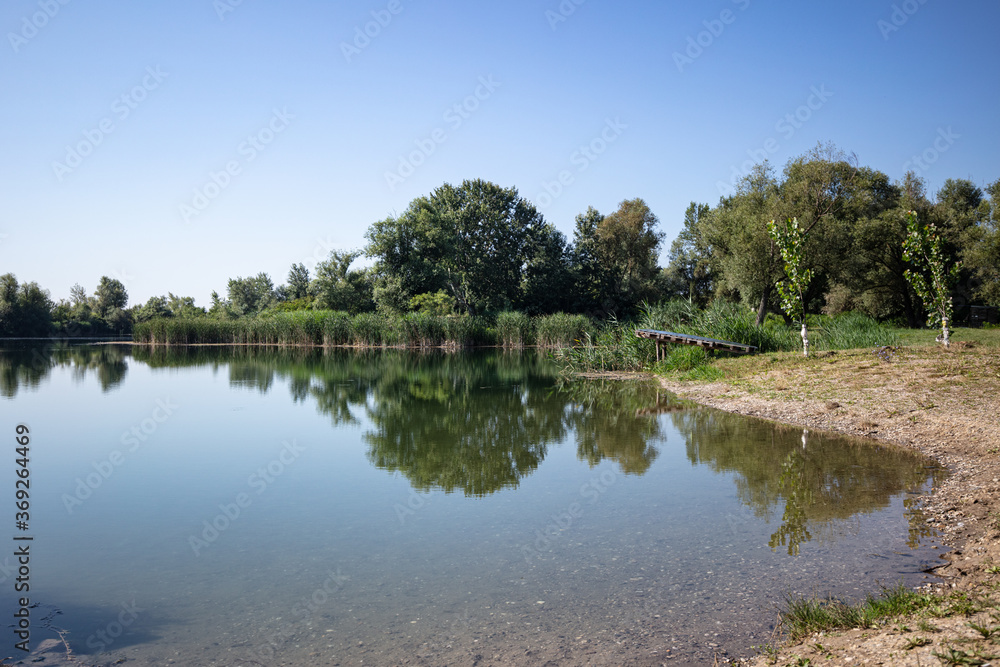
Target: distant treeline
(478, 249)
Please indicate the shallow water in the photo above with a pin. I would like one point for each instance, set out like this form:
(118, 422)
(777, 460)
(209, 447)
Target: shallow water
(219, 506)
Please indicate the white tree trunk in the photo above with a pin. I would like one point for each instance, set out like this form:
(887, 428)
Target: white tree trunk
(805, 341)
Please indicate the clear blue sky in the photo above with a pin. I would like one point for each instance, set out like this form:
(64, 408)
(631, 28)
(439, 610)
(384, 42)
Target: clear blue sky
(115, 114)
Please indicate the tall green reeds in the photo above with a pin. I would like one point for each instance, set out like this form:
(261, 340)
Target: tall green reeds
(560, 330)
(513, 329)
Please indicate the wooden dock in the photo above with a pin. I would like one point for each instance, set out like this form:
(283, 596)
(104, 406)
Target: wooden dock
(662, 337)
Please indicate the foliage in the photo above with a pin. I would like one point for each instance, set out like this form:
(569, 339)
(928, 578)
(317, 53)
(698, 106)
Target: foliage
(25, 309)
(336, 287)
(932, 278)
(110, 296)
(433, 303)
(474, 240)
(298, 282)
(981, 248)
(689, 267)
(790, 239)
(627, 243)
(249, 296)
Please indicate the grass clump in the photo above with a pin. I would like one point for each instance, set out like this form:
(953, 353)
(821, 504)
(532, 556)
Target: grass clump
(513, 329)
(560, 330)
(853, 331)
(805, 616)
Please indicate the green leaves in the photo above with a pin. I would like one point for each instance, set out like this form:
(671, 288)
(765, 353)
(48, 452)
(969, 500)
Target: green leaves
(790, 238)
(931, 278)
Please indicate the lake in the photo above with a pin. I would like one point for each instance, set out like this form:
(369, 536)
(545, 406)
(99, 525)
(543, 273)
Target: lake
(240, 506)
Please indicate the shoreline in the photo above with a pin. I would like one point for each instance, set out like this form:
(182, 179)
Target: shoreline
(942, 403)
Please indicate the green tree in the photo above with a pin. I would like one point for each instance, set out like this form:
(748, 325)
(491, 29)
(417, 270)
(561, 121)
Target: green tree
(336, 287)
(183, 306)
(298, 281)
(743, 252)
(981, 248)
(110, 296)
(790, 239)
(689, 266)
(25, 309)
(475, 240)
(249, 296)
(586, 272)
(934, 275)
(548, 281)
(627, 244)
(156, 306)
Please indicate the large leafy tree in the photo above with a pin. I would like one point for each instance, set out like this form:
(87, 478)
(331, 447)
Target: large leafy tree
(981, 248)
(627, 244)
(587, 273)
(337, 287)
(110, 295)
(689, 267)
(25, 309)
(298, 282)
(249, 296)
(743, 252)
(475, 240)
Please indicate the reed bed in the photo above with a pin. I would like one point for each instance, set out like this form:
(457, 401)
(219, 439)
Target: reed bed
(370, 330)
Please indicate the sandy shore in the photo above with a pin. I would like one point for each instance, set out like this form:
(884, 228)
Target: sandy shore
(944, 403)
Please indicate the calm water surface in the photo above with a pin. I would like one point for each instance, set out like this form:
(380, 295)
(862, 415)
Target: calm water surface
(218, 506)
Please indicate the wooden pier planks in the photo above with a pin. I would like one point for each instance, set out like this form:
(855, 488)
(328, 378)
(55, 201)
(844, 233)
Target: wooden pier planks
(685, 339)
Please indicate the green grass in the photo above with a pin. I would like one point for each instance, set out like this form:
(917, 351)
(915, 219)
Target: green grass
(804, 616)
(560, 330)
(926, 337)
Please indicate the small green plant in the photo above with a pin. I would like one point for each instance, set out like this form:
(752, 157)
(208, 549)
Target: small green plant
(954, 656)
(925, 626)
(806, 616)
(983, 630)
(914, 642)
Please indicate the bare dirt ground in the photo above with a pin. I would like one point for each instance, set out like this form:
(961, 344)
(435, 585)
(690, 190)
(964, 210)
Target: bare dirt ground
(944, 403)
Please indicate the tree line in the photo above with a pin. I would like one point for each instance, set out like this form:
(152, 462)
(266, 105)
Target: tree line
(481, 249)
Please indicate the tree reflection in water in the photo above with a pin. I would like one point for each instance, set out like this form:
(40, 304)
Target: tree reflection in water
(480, 422)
